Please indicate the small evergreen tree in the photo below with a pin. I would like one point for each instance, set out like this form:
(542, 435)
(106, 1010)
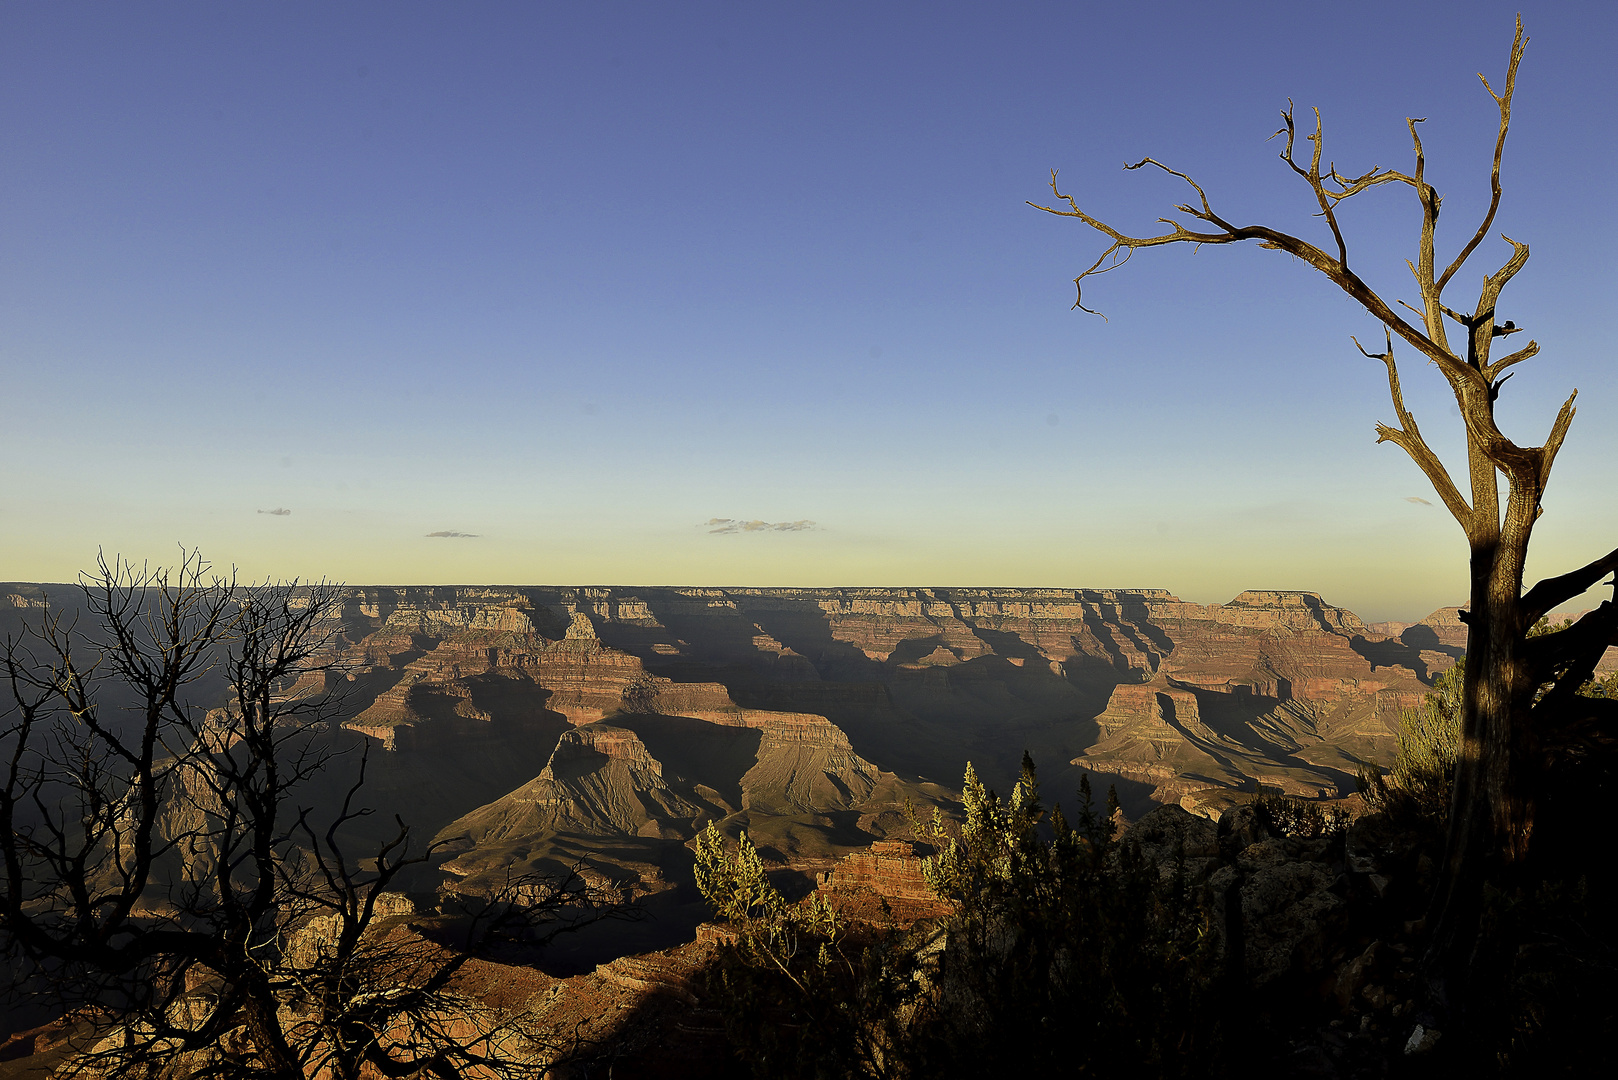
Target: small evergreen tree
(802, 996)
(1419, 786)
(1070, 954)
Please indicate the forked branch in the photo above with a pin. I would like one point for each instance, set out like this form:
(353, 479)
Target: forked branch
(1334, 267)
(1503, 100)
(1345, 187)
(1407, 436)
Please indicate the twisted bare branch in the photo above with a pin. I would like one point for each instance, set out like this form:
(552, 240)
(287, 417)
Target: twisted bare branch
(1408, 437)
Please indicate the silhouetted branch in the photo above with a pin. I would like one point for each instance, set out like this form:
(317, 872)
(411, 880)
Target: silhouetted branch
(1408, 437)
(1504, 102)
(1552, 591)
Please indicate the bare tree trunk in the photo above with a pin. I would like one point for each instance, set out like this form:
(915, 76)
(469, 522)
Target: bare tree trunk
(1492, 810)
(277, 1061)
(1519, 691)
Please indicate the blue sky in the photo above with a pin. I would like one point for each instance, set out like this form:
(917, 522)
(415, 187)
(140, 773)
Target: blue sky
(576, 280)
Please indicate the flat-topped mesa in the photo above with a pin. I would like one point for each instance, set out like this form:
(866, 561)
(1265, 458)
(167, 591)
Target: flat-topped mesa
(808, 728)
(1305, 608)
(1147, 709)
(805, 764)
(1447, 625)
(589, 682)
(1314, 667)
(505, 617)
(1264, 609)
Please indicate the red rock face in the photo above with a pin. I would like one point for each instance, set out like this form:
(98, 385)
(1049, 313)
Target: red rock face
(850, 692)
(1274, 688)
(890, 869)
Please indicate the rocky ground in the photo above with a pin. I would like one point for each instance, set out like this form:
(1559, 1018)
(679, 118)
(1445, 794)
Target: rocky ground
(1330, 934)
(1328, 942)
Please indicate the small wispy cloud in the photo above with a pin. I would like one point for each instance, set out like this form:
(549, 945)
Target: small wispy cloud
(1417, 499)
(451, 534)
(279, 511)
(726, 526)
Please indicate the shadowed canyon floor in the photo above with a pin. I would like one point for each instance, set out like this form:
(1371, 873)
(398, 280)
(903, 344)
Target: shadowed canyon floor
(531, 726)
(633, 712)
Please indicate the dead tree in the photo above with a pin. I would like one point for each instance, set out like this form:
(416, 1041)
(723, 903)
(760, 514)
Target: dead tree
(161, 878)
(1520, 693)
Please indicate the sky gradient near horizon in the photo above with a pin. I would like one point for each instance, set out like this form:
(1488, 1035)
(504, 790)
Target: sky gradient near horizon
(745, 294)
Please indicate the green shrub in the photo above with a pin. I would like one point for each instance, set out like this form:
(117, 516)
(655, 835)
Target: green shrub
(1422, 778)
(1301, 818)
(1066, 952)
(802, 993)
(1073, 955)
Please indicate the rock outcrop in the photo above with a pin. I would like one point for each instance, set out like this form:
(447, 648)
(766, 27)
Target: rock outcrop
(600, 780)
(806, 765)
(890, 869)
(1187, 702)
(1276, 690)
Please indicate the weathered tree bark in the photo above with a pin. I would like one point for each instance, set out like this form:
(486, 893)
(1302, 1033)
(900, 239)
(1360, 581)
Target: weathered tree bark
(1517, 689)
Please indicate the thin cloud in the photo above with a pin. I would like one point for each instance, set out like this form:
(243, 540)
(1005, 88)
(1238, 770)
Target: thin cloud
(279, 511)
(1417, 499)
(732, 526)
(453, 535)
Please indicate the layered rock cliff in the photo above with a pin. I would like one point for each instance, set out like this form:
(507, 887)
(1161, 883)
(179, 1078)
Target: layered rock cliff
(842, 696)
(1275, 688)
(599, 780)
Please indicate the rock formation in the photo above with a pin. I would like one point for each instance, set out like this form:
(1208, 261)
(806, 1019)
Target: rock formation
(890, 869)
(600, 779)
(820, 710)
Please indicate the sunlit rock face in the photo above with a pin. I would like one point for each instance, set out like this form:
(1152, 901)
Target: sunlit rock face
(808, 716)
(599, 779)
(889, 868)
(1276, 688)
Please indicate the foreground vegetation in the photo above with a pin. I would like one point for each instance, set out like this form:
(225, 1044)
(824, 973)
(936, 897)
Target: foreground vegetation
(1071, 949)
(1049, 938)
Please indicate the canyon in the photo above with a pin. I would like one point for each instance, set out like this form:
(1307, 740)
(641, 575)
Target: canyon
(535, 729)
(520, 728)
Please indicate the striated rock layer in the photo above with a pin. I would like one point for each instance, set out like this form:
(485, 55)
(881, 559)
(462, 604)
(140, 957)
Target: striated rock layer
(1189, 703)
(817, 707)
